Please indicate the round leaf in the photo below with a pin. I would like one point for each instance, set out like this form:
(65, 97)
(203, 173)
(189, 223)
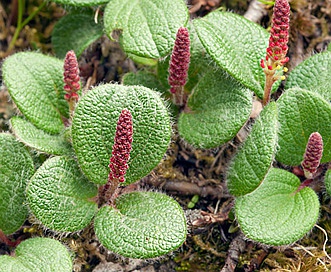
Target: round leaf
(94, 125)
(216, 100)
(39, 139)
(60, 196)
(148, 27)
(301, 113)
(35, 83)
(237, 45)
(143, 225)
(38, 255)
(275, 214)
(313, 75)
(16, 168)
(76, 32)
(254, 159)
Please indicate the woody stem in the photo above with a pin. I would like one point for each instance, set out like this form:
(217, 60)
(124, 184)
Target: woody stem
(269, 81)
(106, 191)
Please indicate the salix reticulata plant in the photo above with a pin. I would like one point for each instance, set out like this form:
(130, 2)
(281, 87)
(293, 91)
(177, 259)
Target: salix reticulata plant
(213, 101)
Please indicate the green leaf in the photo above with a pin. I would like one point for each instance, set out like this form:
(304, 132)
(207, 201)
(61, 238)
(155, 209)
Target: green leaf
(216, 100)
(313, 75)
(75, 31)
(237, 45)
(60, 196)
(301, 113)
(201, 62)
(38, 255)
(39, 139)
(143, 78)
(142, 60)
(148, 27)
(81, 3)
(35, 83)
(275, 214)
(94, 126)
(16, 168)
(327, 181)
(143, 225)
(253, 160)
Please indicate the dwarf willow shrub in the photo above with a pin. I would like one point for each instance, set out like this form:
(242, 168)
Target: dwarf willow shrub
(232, 62)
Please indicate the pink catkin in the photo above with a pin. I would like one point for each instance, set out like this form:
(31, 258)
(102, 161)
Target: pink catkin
(279, 34)
(180, 60)
(71, 76)
(122, 147)
(313, 154)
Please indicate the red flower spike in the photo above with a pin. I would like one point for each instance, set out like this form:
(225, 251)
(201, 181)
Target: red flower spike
(121, 148)
(71, 76)
(277, 49)
(313, 154)
(119, 159)
(179, 62)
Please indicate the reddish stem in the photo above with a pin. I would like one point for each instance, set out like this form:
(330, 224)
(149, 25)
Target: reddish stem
(7, 241)
(303, 185)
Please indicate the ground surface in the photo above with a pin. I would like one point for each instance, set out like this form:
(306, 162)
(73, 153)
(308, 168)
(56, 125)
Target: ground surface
(214, 241)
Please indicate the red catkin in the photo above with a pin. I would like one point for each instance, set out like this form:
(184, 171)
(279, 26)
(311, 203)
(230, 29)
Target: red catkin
(122, 147)
(71, 76)
(180, 60)
(119, 159)
(276, 52)
(279, 34)
(313, 154)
